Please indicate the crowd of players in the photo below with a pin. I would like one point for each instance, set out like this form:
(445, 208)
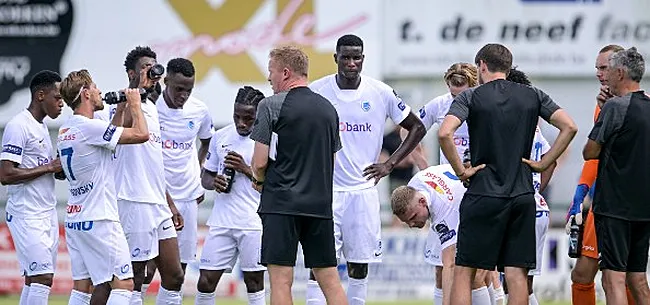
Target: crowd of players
(136, 178)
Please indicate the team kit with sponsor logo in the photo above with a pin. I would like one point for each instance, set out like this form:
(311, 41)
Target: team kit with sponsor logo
(129, 200)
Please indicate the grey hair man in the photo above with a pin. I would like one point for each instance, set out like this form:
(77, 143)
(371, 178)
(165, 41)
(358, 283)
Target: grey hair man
(620, 140)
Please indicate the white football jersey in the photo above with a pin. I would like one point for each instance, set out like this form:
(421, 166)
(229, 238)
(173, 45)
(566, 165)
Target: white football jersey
(179, 129)
(362, 118)
(540, 147)
(238, 208)
(140, 175)
(27, 142)
(442, 189)
(86, 147)
(434, 112)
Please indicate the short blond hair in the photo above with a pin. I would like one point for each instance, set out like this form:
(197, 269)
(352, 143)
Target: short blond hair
(401, 199)
(461, 74)
(291, 57)
(72, 84)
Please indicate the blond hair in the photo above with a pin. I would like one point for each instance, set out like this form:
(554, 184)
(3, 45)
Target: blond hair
(291, 57)
(71, 87)
(461, 74)
(401, 199)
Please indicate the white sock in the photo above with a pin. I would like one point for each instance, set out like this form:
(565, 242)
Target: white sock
(38, 294)
(357, 291)
(481, 296)
(437, 296)
(257, 298)
(493, 297)
(313, 294)
(204, 298)
(136, 298)
(500, 296)
(79, 298)
(119, 297)
(168, 297)
(532, 300)
(24, 295)
(143, 291)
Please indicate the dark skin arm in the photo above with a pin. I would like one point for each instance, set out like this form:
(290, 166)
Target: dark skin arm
(10, 173)
(416, 132)
(212, 181)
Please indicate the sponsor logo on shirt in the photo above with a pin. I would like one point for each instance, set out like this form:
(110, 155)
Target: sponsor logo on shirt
(66, 137)
(172, 144)
(460, 141)
(190, 125)
(74, 208)
(12, 149)
(108, 134)
(439, 185)
(155, 138)
(423, 113)
(365, 105)
(80, 226)
(444, 233)
(450, 176)
(42, 161)
(82, 190)
(355, 127)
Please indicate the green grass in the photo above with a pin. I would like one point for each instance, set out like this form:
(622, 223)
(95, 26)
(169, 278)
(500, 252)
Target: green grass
(62, 300)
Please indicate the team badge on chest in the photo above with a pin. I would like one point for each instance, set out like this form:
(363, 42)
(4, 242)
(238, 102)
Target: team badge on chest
(365, 105)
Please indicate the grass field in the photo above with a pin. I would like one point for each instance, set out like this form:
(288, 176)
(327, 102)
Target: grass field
(57, 300)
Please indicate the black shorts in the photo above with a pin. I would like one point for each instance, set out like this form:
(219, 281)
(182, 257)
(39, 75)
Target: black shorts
(496, 232)
(281, 234)
(622, 244)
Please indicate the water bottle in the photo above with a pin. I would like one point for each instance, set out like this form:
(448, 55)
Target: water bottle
(574, 240)
(229, 173)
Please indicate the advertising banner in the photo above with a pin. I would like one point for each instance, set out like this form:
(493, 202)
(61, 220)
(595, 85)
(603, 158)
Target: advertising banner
(553, 38)
(227, 40)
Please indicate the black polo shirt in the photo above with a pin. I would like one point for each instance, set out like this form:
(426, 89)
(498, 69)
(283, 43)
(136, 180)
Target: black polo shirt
(301, 128)
(501, 118)
(623, 130)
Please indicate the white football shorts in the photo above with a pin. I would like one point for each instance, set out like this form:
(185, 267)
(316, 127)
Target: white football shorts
(223, 246)
(98, 251)
(144, 225)
(36, 242)
(357, 225)
(187, 237)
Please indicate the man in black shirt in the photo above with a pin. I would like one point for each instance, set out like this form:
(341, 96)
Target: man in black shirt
(497, 214)
(297, 136)
(620, 140)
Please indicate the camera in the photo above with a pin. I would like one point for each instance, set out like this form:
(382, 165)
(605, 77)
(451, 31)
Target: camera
(116, 97)
(156, 70)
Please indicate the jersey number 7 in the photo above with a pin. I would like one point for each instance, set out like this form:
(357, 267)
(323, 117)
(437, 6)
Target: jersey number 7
(67, 152)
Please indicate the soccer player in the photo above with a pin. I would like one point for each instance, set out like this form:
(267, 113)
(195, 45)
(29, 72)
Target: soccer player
(502, 117)
(458, 77)
(583, 291)
(363, 105)
(147, 213)
(434, 194)
(235, 227)
(96, 242)
(620, 140)
(27, 166)
(183, 119)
